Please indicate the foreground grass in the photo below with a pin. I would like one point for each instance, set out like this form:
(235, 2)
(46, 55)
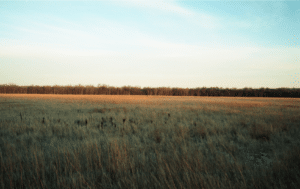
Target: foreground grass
(164, 144)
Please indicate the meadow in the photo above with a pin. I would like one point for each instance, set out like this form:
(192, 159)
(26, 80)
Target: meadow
(131, 141)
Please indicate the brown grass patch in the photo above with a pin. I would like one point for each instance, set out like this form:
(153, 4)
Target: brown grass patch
(183, 102)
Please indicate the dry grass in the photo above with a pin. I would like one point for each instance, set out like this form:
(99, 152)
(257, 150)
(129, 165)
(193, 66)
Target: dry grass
(87, 141)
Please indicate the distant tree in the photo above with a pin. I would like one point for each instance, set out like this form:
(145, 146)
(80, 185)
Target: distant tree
(166, 91)
(90, 89)
(203, 91)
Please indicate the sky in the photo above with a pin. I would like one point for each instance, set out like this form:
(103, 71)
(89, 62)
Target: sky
(150, 43)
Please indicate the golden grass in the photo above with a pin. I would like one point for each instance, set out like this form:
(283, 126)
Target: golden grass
(243, 102)
(87, 141)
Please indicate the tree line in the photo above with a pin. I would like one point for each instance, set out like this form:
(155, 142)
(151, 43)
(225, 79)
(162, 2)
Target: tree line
(163, 91)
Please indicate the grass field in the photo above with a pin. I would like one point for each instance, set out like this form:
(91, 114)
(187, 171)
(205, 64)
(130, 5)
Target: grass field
(88, 141)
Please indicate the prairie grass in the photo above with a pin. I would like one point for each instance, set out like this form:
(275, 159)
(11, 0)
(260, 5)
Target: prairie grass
(98, 141)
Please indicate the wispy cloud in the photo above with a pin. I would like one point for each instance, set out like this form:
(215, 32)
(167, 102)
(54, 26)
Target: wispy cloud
(171, 6)
(166, 6)
(197, 18)
(21, 48)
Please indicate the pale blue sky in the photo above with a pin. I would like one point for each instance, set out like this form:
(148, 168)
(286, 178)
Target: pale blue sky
(149, 43)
